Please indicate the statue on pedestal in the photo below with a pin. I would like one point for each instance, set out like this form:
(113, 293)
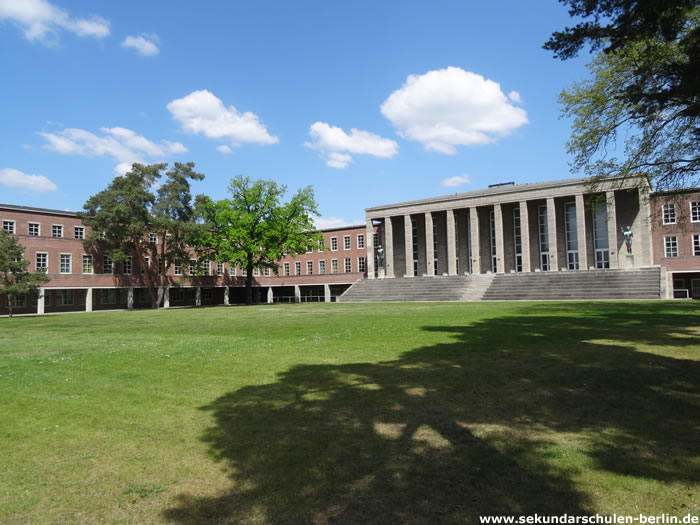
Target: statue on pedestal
(628, 238)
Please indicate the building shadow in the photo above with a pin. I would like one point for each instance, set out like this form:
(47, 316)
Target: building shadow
(416, 440)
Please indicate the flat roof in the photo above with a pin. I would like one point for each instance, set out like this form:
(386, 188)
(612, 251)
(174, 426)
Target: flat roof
(38, 210)
(497, 190)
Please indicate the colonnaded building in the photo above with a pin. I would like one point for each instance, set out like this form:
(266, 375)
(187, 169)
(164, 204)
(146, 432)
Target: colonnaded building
(547, 240)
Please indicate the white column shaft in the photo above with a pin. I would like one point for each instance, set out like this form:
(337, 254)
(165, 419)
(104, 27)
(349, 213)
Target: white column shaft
(451, 244)
(429, 251)
(408, 244)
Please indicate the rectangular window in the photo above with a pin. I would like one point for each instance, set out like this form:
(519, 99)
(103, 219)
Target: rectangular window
(16, 301)
(309, 267)
(9, 227)
(285, 269)
(34, 229)
(347, 244)
(695, 211)
(65, 263)
(334, 244)
(256, 272)
(669, 213)
(219, 268)
(375, 239)
(87, 263)
(334, 265)
(297, 268)
(127, 265)
(42, 262)
(160, 266)
(193, 266)
(267, 272)
(107, 266)
(232, 269)
(361, 267)
(571, 236)
(321, 245)
(348, 265)
(153, 238)
(544, 238)
(322, 267)
(600, 237)
(517, 240)
(177, 268)
(492, 229)
(244, 272)
(57, 230)
(309, 249)
(206, 267)
(64, 297)
(360, 241)
(671, 246)
(696, 245)
(78, 232)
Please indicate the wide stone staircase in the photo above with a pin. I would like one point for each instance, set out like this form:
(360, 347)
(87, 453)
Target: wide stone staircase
(578, 285)
(643, 283)
(452, 288)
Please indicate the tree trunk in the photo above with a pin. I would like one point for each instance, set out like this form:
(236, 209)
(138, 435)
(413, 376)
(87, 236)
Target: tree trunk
(249, 284)
(146, 275)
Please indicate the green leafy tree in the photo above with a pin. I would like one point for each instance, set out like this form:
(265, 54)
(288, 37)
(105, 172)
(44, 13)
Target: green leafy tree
(123, 216)
(254, 230)
(15, 280)
(640, 111)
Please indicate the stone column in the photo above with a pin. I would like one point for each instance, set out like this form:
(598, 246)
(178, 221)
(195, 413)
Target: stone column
(552, 234)
(429, 252)
(198, 296)
(297, 293)
(227, 296)
(88, 300)
(388, 247)
(130, 298)
(451, 244)
(40, 301)
(270, 295)
(645, 239)
(326, 293)
(408, 244)
(581, 232)
(166, 297)
(369, 236)
(612, 229)
(476, 249)
(500, 251)
(525, 236)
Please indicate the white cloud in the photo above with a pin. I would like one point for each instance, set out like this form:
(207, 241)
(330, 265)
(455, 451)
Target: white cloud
(457, 180)
(203, 112)
(145, 45)
(337, 145)
(16, 179)
(333, 222)
(223, 148)
(451, 107)
(122, 144)
(42, 21)
(515, 97)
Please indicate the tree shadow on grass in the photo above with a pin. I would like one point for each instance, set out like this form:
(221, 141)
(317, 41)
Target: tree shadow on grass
(403, 441)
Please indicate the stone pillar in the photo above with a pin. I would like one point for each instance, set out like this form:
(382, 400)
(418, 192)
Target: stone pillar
(500, 251)
(408, 244)
(476, 249)
(40, 304)
(581, 232)
(130, 298)
(297, 293)
(166, 297)
(198, 296)
(326, 293)
(227, 296)
(451, 244)
(369, 242)
(645, 239)
(388, 247)
(270, 295)
(525, 236)
(88, 300)
(612, 229)
(429, 252)
(552, 234)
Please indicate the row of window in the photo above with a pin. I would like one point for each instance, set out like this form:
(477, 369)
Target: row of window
(669, 212)
(347, 243)
(34, 229)
(671, 245)
(347, 267)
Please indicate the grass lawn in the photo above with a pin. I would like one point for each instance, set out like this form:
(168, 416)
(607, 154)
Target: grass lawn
(376, 413)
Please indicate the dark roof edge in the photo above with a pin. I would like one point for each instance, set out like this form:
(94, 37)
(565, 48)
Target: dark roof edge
(40, 210)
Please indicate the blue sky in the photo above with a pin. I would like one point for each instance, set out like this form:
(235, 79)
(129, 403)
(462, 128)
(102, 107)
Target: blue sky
(369, 102)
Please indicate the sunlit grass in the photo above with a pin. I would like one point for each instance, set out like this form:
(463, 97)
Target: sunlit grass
(350, 413)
